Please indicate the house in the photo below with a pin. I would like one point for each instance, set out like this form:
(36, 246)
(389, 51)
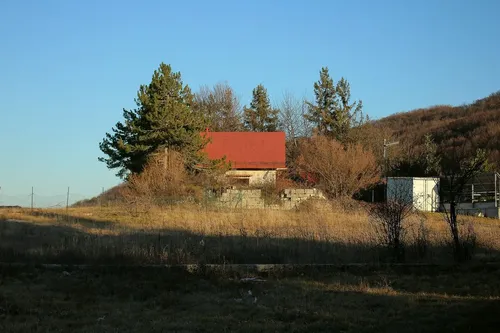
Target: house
(255, 157)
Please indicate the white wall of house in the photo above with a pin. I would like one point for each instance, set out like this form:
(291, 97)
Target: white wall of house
(254, 177)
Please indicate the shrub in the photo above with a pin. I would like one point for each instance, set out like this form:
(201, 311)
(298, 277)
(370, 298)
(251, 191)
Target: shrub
(340, 171)
(163, 180)
(389, 221)
(420, 237)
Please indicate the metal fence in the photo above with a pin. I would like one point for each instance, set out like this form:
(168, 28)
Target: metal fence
(38, 199)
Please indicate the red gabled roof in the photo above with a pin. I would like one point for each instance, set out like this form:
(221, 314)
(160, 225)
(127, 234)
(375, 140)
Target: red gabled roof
(248, 150)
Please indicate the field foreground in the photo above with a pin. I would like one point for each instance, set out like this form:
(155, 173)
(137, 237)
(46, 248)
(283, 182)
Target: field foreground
(194, 235)
(113, 294)
(163, 300)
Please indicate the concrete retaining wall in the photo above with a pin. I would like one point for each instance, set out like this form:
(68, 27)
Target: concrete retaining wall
(234, 198)
(478, 209)
(252, 198)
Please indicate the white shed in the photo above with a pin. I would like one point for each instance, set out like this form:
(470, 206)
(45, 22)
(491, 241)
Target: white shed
(422, 191)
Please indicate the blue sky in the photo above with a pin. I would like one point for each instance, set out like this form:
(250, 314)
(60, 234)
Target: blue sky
(67, 68)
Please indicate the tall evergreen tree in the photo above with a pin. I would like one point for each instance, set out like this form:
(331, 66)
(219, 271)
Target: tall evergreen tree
(322, 114)
(260, 116)
(163, 118)
(347, 115)
(333, 114)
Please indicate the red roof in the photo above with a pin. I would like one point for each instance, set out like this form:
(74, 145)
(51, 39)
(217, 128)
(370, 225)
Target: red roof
(248, 150)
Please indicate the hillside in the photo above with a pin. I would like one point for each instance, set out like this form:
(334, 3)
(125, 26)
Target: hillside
(110, 196)
(476, 125)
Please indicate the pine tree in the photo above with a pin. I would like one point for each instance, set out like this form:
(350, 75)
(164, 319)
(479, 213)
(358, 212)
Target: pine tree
(322, 114)
(333, 115)
(347, 115)
(260, 116)
(163, 118)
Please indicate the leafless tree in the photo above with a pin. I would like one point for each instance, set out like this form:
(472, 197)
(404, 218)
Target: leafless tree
(291, 116)
(295, 126)
(390, 218)
(457, 168)
(221, 106)
(340, 170)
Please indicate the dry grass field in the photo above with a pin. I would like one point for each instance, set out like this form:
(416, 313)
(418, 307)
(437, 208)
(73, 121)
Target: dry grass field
(111, 298)
(192, 234)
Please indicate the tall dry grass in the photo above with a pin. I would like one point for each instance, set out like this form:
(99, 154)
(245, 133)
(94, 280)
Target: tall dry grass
(316, 233)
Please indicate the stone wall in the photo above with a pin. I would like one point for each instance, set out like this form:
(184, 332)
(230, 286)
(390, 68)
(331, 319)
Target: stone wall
(234, 198)
(252, 198)
(291, 198)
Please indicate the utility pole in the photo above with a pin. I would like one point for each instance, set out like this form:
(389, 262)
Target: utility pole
(32, 195)
(387, 144)
(67, 200)
(496, 190)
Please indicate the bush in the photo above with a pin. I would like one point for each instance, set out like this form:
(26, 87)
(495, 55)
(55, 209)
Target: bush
(421, 238)
(164, 180)
(468, 240)
(389, 221)
(340, 171)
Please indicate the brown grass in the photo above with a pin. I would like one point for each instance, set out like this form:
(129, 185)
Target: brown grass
(144, 299)
(193, 234)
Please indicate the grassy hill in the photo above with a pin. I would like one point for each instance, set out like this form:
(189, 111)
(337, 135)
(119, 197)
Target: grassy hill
(476, 125)
(110, 196)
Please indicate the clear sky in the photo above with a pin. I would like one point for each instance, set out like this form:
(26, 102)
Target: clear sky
(67, 68)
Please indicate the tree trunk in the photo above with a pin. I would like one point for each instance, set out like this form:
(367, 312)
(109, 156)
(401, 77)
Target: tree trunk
(454, 231)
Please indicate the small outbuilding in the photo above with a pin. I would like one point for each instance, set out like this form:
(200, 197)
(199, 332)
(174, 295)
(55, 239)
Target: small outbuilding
(423, 192)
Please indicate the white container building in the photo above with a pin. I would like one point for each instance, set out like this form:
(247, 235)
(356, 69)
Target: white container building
(423, 192)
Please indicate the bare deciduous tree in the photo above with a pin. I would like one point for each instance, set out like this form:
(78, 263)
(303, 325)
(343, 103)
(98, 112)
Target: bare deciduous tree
(457, 168)
(221, 107)
(291, 117)
(295, 126)
(389, 219)
(340, 170)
